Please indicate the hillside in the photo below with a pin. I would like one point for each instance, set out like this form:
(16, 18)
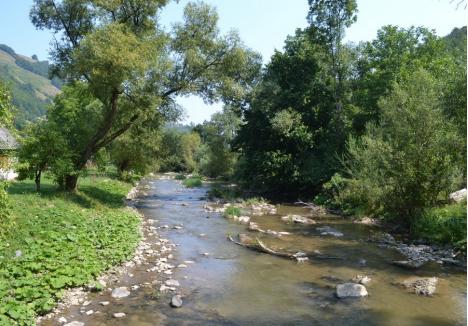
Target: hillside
(28, 80)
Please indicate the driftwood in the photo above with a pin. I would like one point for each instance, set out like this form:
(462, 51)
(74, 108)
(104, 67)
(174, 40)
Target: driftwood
(257, 245)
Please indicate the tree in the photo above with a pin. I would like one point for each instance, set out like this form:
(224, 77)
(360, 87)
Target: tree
(133, 68)
(404, 164)
(216, 157)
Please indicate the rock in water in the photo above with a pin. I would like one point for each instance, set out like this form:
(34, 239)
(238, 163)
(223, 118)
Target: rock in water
(326, 230)
(352, 290)
(408, 264)
(119, 315)
(121, 292)
(297, 219)
(75, 323)
(362, 279)
(176, 301)
(422, 286)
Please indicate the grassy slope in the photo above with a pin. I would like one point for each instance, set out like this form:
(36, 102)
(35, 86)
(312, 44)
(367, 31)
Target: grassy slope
(31, 92)
(65, 240)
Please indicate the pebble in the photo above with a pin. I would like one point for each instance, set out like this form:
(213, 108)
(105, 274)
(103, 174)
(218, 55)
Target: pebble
(90, 312)
(118, 314)
(176, 301)
(172, 283)
(181, 266)
(86, 303)
(104, 303)
(62, 320)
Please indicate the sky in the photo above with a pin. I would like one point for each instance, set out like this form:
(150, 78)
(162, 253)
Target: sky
(262, 24)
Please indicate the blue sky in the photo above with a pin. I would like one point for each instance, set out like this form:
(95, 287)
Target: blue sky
(262, 24)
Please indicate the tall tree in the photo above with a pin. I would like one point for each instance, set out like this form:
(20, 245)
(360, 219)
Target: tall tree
(132, 67)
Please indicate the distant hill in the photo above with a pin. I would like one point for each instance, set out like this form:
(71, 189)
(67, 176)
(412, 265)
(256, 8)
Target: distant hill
(29, 82)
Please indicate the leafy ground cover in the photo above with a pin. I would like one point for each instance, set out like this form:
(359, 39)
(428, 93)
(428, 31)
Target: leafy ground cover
(61, 240)
(192, 182)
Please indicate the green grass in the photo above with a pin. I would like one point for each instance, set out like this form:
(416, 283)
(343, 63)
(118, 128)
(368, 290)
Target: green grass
(443, 225)
(255, 201)
(192, 182)
(232, 211)
(65, 240)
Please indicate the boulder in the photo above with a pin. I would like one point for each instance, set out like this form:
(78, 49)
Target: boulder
(458, 196)
(120, 292)
(351, 290)
(422, 286)
(176, 301)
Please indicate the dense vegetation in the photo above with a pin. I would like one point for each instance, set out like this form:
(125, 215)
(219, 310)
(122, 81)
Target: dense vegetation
(58, 240)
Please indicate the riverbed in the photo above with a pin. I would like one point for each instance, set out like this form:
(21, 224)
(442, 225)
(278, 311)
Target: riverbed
(222, 283)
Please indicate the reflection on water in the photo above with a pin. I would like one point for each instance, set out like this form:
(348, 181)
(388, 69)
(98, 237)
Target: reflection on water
(235, 286)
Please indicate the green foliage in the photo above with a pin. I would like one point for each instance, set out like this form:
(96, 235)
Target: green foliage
(443, 225)
(178, 150)
(216, 157)
(180, 177)
(132, 68)
(406, 163)
(232, 211)
(61, 240)
(192, 182)
(6, 106)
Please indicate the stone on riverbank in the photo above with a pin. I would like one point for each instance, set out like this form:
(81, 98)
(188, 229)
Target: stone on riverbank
(120, 292)
(351, 290)
(176, 301)
(362, 279)
(458, 196)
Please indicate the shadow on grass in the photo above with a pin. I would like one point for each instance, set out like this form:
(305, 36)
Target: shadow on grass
(103, 196)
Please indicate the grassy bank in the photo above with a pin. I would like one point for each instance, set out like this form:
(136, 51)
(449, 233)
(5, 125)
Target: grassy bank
(61, 240)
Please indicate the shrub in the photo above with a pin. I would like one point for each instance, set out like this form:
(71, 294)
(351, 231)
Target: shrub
(443, 225)
(232, 211)
(192, 182)
(180, 177)
(406, 163)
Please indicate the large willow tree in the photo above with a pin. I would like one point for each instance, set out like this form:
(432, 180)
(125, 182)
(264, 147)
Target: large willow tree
(133, 68)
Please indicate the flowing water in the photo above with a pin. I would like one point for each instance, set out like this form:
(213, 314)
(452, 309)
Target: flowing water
(236, 286)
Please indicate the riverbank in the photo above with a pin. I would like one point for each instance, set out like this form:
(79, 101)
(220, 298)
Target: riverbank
(62, 240)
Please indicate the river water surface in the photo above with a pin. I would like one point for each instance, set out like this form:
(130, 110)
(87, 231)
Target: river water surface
(230, 285)
(235, 286)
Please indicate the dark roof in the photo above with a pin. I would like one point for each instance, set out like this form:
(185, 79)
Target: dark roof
(7, 141)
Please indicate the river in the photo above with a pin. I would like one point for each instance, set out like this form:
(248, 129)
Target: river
(230, 285)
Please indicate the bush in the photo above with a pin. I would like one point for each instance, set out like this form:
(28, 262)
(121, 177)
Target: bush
(130, 177)
(443, 225)
(407, 163)
(232, 211)
(192, 182)
(180, 177)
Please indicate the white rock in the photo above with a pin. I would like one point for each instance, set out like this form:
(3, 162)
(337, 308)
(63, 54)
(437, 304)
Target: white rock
(176, 301)
(118, 315)
(104, 303)
(62, 320)
(351, 290)
(458, 196)
(172, 282)
(75, 323)
(90, 312)
(120, 292)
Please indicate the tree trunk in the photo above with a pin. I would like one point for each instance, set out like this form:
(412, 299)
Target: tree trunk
(71, 182)
(37, 180)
